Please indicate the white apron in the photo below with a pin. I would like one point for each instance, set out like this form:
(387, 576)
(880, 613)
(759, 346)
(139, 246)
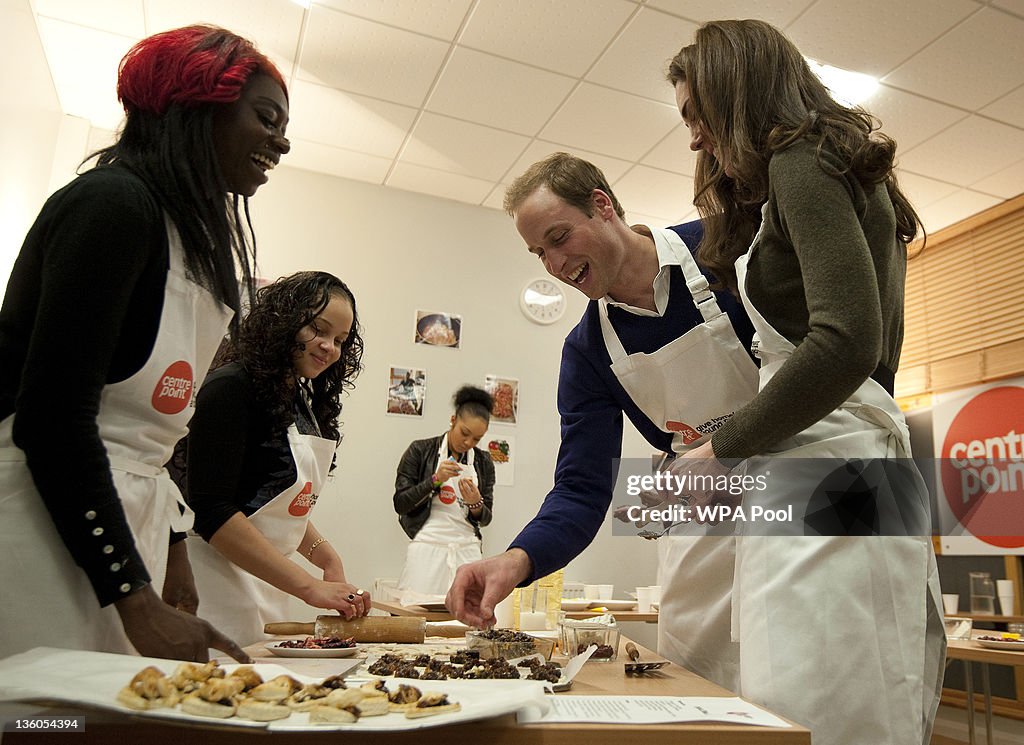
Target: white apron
(686, 387)
(841, 634)
(140, 419)
(235, 601)
(445, 542)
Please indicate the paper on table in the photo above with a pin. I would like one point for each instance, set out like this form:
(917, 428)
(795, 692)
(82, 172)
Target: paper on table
(652, 710)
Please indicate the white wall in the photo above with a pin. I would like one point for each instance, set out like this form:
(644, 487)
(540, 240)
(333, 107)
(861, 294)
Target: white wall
(400, 252)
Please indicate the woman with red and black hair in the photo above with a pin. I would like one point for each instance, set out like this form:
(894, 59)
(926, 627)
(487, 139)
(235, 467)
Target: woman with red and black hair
(121, 293)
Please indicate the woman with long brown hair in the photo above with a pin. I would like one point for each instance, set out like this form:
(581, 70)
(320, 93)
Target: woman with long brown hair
(803, 216)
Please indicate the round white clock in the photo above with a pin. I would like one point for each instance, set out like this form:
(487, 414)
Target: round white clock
(542, 300)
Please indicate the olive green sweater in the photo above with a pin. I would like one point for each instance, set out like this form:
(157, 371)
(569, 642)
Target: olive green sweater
(827, 272)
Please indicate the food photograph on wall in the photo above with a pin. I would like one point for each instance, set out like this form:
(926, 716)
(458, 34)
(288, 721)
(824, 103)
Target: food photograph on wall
(506, 398)
(438, 329)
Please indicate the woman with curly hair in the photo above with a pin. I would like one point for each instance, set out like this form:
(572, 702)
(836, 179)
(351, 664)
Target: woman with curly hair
(260, 447)
(123, 289)
(838, 620)
(444, 493)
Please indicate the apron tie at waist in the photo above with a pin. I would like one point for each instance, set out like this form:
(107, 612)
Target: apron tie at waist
(179, 515)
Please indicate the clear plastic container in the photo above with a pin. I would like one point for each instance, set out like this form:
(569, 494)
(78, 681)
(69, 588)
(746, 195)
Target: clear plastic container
(508, 643)
(575, 639)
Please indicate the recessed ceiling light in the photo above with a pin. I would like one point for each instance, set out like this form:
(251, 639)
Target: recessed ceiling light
(849, 88)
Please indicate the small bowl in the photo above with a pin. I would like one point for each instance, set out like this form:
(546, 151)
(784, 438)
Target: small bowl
(508, 643)
(575, 639)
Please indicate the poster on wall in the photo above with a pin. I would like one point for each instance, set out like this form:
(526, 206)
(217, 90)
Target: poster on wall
(438, 329)
(979, 456)
(506, 398)
(407, 387)
(502, 449)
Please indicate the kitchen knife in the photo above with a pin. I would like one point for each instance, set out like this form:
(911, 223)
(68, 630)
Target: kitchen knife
(402, 629)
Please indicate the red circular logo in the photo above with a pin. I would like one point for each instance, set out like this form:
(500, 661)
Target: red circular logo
(173, 390)
(303, 501)
(982, 467)
(447, 494)
(690, 435)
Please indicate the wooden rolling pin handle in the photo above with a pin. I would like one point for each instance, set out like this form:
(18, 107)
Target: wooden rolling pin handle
(288, 628)
(632, 651)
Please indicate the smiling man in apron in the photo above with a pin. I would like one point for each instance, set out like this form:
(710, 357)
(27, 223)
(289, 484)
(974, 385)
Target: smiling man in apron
(656, 345)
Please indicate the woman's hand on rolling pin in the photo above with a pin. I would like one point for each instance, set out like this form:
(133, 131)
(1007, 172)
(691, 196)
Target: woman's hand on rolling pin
(349, 600)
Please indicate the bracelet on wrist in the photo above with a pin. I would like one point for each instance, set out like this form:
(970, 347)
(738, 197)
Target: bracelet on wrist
(316, 543)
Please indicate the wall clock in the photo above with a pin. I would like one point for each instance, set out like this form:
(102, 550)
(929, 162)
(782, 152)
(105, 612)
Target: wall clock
(542, 300)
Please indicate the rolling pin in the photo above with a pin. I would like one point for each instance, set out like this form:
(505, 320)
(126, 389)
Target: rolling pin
(401, 629)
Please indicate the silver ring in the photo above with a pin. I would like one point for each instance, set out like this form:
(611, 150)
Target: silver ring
(359, 592)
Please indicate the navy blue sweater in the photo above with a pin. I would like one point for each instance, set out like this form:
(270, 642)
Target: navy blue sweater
(591, 403)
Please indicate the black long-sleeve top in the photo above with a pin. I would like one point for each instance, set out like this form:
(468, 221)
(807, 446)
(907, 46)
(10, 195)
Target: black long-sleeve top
(81, 311)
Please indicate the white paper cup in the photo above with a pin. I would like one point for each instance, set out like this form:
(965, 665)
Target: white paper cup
(604, 592)
(655, 593)
(643, 599)
(950, 603)
(592, 592)
(503, 613)
(1006, 604)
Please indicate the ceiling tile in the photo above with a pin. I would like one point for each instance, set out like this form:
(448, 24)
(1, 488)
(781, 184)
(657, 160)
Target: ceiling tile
(439, 183)
(922, 191)
(910, 119)
(441, 19)
(496, 198)
(332, 117)
(1006, 183)
(1009, 108)
(274, 26)
(777, 12)
(637, 61)
(851, 36)
(975, 63)
(124, 17)
(967, 152)
(84, 64)
(673, 153)
(653, 192)
(360, 56)
(490, 90)
(954, 208)
(634, 218)
(335, 161)
(1013, 6)
(606, 121)
(565, 36)
(612, 168)
(461, 147)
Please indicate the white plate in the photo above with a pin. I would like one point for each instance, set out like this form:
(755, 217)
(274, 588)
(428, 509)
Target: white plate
(572, 604)
(1010, 646)
(276, 648)
(613, 604)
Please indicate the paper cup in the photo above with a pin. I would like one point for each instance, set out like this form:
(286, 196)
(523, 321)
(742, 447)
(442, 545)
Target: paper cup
(643, 599)
(605, 592)
(592, 592)
(655, 593)
(950, 603)
(1006, 604)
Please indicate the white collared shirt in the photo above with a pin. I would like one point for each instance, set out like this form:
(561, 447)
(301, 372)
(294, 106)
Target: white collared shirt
(666, 259)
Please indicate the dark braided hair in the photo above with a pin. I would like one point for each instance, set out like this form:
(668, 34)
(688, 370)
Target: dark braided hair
(266, 346)
(171, 84)
(472, 401)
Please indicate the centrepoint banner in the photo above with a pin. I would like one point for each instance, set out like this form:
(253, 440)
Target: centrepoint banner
(979, 450)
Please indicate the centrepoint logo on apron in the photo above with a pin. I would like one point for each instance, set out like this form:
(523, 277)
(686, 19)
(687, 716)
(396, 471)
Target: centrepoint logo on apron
(303, 502)
(690, 434)
(174, 388)
(447, 494)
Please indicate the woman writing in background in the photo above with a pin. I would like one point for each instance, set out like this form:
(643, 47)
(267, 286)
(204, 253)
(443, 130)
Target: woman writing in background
(260, 448)
(444, 492)
(804, 218)
(129, 271)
